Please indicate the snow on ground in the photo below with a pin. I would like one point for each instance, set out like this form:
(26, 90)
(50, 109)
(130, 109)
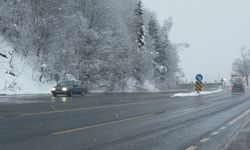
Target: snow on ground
(18, 77)
(196, 94)
(132, 86)
(150, 86)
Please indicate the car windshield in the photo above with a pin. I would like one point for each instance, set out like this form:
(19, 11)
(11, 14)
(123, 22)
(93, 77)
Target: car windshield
(237, 81)
(66, 83)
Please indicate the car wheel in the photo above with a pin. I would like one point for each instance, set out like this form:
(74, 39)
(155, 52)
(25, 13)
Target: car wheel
(83, 93)
(54, 95)
(70, 94)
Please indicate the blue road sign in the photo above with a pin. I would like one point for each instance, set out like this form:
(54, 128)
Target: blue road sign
(199, 77)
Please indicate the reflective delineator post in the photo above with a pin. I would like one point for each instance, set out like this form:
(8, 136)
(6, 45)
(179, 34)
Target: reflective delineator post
(198, 86)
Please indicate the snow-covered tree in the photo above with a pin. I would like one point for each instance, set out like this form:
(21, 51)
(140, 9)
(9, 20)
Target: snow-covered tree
(241, 66)
(140, 27)
(99, 42)
(153, 31)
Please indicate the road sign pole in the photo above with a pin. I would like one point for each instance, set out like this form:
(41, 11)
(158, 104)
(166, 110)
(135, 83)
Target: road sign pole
(177, 82)
(198, 83)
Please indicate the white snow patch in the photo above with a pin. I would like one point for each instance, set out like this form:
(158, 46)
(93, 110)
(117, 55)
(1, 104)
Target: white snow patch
(19, 77)
(150, 86)
(147, 86)
(163, 69)
(131, 83)
(197, 94)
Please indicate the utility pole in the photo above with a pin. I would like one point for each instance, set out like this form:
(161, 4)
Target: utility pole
(177, 82)
(123, 82)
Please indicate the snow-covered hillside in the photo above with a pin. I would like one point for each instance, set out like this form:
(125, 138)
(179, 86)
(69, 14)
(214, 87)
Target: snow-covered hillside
(16, 75)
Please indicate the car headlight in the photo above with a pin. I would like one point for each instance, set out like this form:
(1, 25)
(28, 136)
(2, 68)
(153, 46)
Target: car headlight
(64, 89)
(53, 89)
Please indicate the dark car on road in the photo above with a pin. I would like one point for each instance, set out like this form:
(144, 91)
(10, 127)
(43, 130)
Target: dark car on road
(68, 88)
(238, 85)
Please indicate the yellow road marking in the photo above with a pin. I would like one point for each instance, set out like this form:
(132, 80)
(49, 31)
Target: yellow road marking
(100, 125)
(191, 148)
(215, 133)
(78, 109)
(204, 140)
(223, 128)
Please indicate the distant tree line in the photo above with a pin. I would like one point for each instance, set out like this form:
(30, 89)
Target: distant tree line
(241, 66)
(103, 43)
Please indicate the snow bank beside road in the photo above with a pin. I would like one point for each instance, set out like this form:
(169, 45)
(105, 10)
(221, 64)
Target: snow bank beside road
(17, 75)
(196, 94)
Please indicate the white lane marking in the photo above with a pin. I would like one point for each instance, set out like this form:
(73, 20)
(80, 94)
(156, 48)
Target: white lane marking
(204, 140)
(80, 109)
(191, 148)
(239, 117)
(215, 133)
(100, 125)
(223, 128)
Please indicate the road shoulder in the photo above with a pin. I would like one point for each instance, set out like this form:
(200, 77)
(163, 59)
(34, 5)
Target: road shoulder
(241, 140)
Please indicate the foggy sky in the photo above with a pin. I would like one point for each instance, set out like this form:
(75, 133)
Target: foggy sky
(215, 29)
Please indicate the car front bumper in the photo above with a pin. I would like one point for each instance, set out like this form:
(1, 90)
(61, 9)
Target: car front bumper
(238, 90)
(60, 92)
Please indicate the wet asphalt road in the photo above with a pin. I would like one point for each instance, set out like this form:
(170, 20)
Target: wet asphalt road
(122, 122)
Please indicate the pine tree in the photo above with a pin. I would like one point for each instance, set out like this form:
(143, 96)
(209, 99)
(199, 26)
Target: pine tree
(138, 56)
(153, 31)
(140, 26)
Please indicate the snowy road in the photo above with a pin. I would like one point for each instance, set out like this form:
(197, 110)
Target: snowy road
(124, 121)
